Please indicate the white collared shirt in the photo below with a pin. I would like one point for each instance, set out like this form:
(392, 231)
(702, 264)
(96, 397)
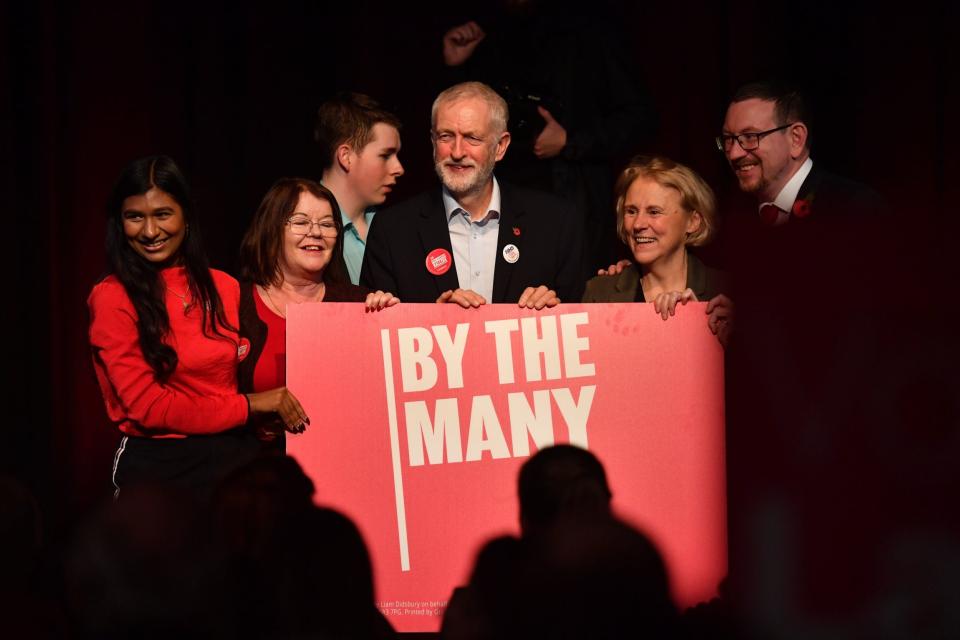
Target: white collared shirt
(788, 195)
(474, 243)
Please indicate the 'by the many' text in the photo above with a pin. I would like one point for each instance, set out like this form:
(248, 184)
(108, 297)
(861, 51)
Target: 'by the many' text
(551, 349)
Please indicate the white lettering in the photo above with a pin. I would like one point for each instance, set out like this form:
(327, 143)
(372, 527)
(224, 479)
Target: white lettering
(418, 371)
(452, 352)
(420, 431)
(485, 433)
(501, 330)
(546, 344)
(575, 414)
(531, 417)
(573, 344)
(538, 423)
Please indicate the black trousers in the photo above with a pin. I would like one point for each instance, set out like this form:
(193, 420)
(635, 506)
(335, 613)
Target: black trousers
(195, 463)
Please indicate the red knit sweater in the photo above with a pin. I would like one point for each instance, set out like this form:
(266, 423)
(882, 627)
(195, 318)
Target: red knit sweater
(201, 394)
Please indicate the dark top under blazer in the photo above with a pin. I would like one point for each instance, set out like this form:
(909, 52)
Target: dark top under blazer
(705, 282)
(546, 230)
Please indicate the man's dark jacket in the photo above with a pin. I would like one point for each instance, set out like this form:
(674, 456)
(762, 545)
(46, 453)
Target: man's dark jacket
(545, 230)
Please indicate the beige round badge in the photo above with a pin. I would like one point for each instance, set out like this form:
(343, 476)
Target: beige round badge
(510, 253)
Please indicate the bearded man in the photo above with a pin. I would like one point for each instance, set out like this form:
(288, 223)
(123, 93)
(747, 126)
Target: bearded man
(476, 240)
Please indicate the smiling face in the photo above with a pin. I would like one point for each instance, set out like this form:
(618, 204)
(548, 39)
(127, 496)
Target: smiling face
(375, 169)
(306, 256)
(766, 169)
(154, 226)
(465, 146)
(655, 224)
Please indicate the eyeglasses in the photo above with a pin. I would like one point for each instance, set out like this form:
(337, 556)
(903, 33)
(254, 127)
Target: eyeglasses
(747, 141)
(301, 226)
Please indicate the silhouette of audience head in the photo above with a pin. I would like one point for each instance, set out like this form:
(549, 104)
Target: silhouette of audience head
(594, 579)
(576, 572)
(255, 499)
(298, 570)
(264, 561)
(143, 567)
(561, 482)
(321, 579)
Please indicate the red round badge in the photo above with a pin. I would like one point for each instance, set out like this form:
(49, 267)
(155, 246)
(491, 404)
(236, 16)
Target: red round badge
(439, 261)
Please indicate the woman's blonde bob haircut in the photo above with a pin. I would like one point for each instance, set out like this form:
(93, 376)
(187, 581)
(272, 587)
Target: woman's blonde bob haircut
(695, 194)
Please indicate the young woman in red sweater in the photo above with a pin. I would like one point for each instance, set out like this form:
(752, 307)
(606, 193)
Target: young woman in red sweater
(164, 335)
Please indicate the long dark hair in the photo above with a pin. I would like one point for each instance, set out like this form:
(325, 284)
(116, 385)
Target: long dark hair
(141, 278)
(262, 245)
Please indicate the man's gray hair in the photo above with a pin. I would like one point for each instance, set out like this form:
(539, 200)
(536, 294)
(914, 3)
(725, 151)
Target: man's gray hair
(499, 114)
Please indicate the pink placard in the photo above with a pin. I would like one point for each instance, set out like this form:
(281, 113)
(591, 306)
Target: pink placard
(421, 416)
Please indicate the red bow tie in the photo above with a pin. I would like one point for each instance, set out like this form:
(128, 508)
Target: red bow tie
(769, 214)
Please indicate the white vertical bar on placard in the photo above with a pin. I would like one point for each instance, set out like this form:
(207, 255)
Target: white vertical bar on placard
(395, 449)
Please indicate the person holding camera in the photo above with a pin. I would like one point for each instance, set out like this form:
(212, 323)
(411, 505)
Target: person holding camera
(575, 109)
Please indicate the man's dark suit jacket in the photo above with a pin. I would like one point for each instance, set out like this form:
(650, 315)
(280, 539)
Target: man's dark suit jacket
(832, 195)
(842, 213)
(546, 230)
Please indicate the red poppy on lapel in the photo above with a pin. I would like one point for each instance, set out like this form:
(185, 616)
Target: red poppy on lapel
(516, 231)
(801, 208)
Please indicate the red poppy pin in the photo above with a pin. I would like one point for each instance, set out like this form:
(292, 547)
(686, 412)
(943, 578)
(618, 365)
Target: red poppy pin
(801, 208)
(516, 231)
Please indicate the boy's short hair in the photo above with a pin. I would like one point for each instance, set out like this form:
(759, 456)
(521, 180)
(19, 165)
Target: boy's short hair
(348, 118)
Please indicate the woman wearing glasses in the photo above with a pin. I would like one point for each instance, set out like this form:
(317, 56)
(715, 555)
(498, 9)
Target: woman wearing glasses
(164, 336)
(291, 254)
(662, 208)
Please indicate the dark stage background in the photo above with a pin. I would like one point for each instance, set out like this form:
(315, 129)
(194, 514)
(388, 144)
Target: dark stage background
(229, 91)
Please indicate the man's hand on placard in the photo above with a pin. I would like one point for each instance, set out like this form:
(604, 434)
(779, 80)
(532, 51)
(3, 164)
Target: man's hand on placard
(464, 297)
(538, 298)
(720, 318)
